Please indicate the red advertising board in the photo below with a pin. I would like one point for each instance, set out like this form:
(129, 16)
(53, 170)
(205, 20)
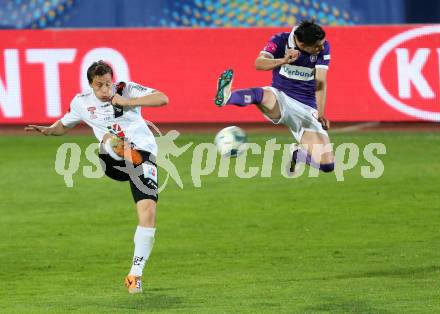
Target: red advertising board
(377, 73)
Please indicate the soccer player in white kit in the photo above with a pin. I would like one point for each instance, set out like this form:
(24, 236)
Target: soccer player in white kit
(113, 111)
(299, 62)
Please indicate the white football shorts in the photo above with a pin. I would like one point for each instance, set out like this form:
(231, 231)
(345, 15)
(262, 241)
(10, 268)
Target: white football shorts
(297, 116)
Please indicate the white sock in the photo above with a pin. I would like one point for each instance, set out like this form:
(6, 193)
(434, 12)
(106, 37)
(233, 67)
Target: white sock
(143, 244)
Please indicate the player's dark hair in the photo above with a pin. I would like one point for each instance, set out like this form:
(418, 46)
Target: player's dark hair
(308, 32)
(98, 68)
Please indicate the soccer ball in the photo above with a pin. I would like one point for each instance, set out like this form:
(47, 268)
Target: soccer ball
(231, 141)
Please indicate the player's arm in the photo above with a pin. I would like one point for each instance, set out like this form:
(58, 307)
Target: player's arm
(321, 95)
(62, 126)
(155, 99)
(55, 129)
(265, 61)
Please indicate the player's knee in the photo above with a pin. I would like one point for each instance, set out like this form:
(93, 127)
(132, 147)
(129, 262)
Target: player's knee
(327, 167)
(269, 105)
(268, 99)
(327, 158)
(106, 137)
(147, 212)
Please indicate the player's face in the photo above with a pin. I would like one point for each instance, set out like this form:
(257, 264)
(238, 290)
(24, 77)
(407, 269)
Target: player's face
(312, 49)
(102, 86)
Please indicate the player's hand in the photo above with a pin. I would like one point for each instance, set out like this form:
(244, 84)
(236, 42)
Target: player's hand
(45, 130)
(119, 100)
(324, 122)
(291, 56)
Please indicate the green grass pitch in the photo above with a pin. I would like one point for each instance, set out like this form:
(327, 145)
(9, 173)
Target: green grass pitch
(261, 245)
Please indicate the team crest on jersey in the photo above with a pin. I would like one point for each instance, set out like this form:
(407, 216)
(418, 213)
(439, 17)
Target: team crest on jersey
(313, 58)
(116, 130)
(92, 112)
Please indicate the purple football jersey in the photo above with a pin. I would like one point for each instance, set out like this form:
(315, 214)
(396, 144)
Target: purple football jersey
(297, 80)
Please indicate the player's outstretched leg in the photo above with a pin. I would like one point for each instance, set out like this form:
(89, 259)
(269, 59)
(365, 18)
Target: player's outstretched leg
(239, 97)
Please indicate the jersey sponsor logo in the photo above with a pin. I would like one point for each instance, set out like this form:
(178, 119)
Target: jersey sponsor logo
(404, 72)
(297, 72)
(313, 58)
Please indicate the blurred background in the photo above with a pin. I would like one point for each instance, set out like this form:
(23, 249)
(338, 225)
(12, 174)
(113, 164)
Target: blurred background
(38, 14)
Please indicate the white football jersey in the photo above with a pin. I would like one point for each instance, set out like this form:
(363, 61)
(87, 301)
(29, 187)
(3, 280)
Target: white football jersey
(104, 118)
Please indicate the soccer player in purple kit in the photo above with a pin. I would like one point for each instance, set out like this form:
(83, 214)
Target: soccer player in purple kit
(299, 62)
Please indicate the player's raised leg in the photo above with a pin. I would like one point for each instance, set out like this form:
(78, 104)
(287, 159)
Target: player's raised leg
(143, 243)
(263, 98)
(120, 149)
(241, 97)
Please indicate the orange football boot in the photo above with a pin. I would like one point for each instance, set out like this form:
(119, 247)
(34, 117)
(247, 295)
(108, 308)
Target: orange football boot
(133, 283)
(124, 150)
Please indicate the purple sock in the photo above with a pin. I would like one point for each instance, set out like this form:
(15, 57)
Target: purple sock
(245, 97)
(302, 156)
